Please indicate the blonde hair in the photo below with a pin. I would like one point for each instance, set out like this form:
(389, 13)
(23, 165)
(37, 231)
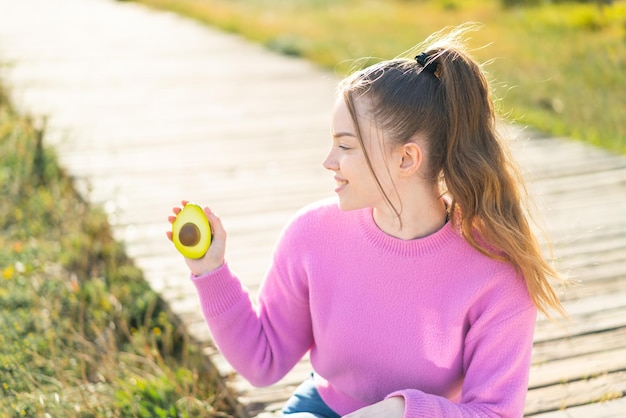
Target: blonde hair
(447, 101)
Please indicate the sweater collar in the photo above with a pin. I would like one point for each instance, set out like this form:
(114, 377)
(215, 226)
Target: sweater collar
(418, 247)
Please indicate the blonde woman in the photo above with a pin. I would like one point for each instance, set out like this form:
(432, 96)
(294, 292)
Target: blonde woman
(416, 289)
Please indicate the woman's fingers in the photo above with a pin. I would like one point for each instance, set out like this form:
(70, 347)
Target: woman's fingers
(217, 228)
(214, 257)
(176, 210)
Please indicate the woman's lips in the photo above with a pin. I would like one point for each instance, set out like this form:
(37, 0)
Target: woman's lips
(341, 183)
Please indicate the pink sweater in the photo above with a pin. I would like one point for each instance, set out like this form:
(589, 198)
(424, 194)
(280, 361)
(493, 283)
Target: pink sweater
(430, 319)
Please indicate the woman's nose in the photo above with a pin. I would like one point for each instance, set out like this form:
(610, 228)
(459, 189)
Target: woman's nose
(330, 162)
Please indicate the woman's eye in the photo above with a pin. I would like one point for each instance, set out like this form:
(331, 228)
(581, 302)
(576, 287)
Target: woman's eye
(343, 147)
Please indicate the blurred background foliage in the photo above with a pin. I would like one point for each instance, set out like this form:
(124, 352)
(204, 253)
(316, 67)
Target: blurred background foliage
(82, 332)
(558, 66)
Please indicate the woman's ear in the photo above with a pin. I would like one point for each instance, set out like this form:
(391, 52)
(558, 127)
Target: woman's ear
(411, 157)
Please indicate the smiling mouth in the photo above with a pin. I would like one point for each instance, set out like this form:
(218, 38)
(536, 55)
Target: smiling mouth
(340, 185)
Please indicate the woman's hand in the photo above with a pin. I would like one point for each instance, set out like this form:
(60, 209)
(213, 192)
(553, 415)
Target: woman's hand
(214, 257)
(389, 408)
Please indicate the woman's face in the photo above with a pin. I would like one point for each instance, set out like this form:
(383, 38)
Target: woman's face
(356, 185)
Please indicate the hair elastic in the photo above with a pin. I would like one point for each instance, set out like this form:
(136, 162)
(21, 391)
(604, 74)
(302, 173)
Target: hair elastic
(423, 60)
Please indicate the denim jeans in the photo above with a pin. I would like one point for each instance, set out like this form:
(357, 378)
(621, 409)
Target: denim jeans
(307, 403)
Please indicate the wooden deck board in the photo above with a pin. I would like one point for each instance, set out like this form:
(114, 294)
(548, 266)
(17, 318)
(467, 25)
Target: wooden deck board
(577, 346)
(605, 409)
(578, 367)
(580, 392)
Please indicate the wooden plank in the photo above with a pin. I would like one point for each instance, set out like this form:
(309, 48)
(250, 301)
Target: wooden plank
(537, 157)
(577, 368)
(580, 392)
(600, 241)
(580, 309)
(591, 322)
(590, 180)
(578, 346)
(601, 286)
(615, 408)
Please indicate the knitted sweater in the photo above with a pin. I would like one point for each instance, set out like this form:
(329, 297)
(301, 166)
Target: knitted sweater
(430, 319)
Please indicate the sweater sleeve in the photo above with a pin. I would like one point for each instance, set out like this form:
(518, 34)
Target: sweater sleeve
(496, 361)
(265, 341)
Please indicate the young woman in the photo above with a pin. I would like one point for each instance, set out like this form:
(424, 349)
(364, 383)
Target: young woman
(416, 289)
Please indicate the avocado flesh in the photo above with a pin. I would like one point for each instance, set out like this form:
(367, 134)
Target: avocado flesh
(191, 232)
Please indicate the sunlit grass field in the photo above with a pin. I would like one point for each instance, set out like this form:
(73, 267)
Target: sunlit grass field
(560, 68)
(82, 334)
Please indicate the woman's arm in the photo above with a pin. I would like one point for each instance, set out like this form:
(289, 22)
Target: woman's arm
(496, 362)
(262, 343)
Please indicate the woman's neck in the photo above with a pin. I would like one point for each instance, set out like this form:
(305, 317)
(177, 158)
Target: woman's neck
(418, 218)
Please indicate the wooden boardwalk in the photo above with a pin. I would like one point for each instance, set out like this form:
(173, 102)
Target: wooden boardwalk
(146, 108)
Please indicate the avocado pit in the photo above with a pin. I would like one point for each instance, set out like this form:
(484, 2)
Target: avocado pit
(191, 231)
(189, 234)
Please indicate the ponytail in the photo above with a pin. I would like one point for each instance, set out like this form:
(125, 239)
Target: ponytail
(452, 108)
(484, 183)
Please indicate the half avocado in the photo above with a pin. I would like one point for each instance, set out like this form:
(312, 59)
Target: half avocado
(191, 232)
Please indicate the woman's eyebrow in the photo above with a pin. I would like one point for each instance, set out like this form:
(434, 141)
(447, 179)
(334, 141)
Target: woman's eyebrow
(340, 134)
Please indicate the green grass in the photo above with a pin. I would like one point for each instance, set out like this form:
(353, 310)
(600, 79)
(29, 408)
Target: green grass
(83, 335)
(560, 68)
